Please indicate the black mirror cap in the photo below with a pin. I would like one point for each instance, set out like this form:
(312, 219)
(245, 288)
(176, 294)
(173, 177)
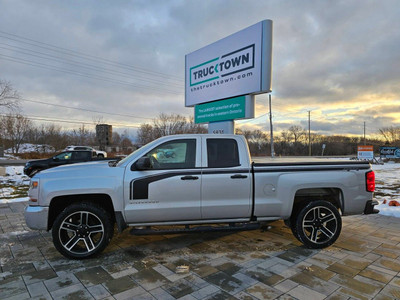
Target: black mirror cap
(142, 163)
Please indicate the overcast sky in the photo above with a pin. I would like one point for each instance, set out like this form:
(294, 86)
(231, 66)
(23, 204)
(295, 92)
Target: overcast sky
(123, 61)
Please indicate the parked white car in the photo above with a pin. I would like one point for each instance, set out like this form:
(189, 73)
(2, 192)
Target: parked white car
(99, 153)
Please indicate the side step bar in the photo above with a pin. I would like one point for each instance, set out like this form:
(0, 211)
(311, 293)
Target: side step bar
(197, 229)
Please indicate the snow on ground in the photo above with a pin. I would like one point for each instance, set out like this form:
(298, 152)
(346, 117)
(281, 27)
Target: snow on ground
(387, 186)
(387, 178)
(27, 148)
(14, 186)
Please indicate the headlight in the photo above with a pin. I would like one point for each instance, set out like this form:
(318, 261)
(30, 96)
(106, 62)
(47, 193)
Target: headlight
(33, 192)
(34, 184)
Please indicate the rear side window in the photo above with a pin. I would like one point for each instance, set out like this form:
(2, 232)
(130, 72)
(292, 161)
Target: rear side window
(82, 155)
(222, 153)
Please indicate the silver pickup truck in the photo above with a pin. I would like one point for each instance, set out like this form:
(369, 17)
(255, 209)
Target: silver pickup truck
(195, 181)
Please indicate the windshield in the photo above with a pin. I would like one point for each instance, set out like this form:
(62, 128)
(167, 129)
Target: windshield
(122, 161)
(141, 151)
(144, 148)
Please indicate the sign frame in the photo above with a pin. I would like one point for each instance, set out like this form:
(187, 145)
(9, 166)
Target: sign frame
(365, 152)
(242, 107)
(237, 65)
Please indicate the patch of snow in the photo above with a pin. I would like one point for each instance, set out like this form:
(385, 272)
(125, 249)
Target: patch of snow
(387, 188)
(26, 148)
(13, 200)
(15, 177)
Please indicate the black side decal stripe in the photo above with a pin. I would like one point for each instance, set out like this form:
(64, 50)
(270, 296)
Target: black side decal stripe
(140, 187)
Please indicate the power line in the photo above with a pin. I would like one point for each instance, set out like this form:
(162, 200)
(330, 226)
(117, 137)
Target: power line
(83, 55)
(39, 118)
(83, 65)
(90, 76)
(84, 109)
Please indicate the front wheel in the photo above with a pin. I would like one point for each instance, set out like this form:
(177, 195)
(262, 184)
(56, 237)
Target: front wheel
(82, 230)
(318, 224)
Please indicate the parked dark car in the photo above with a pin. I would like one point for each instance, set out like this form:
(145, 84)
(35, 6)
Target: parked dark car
(67, 157)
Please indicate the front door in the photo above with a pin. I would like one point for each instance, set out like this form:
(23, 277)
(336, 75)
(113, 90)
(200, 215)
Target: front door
(170, 189)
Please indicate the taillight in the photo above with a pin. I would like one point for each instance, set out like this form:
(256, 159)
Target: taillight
(370, 180)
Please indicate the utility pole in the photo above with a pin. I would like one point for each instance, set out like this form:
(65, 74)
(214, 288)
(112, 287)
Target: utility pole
(365, 142)
(271, 129)
(309, 133)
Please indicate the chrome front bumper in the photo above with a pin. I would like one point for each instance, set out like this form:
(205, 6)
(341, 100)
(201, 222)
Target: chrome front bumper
(36, 217)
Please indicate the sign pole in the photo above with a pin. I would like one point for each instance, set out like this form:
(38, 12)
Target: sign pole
(271, 128)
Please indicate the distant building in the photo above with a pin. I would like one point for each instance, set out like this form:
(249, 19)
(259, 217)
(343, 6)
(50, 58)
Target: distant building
(104, 135)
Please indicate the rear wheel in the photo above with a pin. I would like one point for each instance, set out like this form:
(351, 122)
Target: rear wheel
(82, 230)
(318, 224)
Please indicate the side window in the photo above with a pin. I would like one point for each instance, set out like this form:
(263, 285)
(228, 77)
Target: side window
(63, 156)
(222, 153)
(179, 154)
(82, 155)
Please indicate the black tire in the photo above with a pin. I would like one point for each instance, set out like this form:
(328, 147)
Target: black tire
(100, 155)
(291, 223)
(82, 230)
(318, 224)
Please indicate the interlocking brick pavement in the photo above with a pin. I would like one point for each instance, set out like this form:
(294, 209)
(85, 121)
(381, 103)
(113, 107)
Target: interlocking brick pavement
(363, 264)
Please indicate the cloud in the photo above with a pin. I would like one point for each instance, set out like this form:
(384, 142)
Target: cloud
(341, 60)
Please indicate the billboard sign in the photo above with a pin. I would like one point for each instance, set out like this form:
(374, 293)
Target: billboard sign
(239, 64)
(241, 107)
(389, 152)
(365, 152)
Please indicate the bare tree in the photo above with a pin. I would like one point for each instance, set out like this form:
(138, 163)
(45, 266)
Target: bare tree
(49, 134)
(98, 120)
(297, 133)
(14, 130)
(169, 124)
(192, 127)
(82, 136)
(9, 97)
(145, 134)
(391, 134)
(166, 125)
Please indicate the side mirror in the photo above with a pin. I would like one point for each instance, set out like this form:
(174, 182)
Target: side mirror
(56, 159)
(143, 163)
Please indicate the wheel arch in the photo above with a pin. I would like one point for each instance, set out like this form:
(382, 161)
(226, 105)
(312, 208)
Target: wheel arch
(304, 196)
(59, 203)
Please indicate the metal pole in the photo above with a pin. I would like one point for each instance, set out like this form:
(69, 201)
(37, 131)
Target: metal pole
(309, 133)
(365, 142)
(271, 128)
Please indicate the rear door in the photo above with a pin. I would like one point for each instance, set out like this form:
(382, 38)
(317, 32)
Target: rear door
(226, 180)
(81, 156)
(170, 190)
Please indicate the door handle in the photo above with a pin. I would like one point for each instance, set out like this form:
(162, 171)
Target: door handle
(189, 177)
(238, 176)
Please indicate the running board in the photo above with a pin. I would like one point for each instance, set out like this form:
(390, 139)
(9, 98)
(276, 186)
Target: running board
(197, 229)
